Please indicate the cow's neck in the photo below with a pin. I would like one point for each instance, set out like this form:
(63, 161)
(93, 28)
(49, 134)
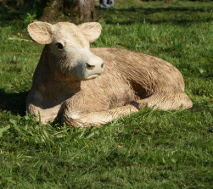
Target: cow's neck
(50, 85)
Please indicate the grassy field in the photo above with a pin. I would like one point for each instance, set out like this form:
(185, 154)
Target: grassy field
(150, 149)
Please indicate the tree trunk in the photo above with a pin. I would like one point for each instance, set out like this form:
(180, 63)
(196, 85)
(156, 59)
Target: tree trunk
(76, 11)
(52, 10)
(83, 11)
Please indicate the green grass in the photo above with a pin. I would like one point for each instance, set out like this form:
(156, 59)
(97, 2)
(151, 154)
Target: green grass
(150, 149)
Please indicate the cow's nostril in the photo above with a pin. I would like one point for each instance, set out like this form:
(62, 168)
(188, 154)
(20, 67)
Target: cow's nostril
(90, 67)
(102, 65)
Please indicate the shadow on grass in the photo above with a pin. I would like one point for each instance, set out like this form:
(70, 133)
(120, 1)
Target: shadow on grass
(12, 17)
(15, 15)
(13, 102)
(158, 15)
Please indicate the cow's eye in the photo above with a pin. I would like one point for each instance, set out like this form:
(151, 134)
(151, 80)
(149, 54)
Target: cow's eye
(59, 46)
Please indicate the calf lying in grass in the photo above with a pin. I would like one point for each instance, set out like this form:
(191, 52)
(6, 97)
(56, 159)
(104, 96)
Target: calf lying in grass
(84, 87)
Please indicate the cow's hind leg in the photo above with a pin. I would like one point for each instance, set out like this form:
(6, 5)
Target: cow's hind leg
(79, 119)
(164, 101)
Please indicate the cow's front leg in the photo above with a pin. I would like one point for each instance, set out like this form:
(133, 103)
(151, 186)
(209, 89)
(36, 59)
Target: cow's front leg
(79, 119)
(43, 115)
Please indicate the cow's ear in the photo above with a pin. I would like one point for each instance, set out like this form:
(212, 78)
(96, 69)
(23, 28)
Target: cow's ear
(40, 32)
(91, 30)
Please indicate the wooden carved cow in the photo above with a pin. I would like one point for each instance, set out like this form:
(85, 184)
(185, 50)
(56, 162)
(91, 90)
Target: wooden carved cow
(85, 86)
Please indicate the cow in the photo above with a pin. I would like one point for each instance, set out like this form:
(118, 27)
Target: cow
(83, 86)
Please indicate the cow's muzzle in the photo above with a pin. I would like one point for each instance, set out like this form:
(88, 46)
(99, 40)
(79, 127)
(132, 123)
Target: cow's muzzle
(94, 67)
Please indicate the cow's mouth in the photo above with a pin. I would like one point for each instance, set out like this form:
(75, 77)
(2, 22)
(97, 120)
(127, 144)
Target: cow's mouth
(93, 76)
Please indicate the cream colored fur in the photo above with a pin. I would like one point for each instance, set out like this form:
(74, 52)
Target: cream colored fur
(129, 82)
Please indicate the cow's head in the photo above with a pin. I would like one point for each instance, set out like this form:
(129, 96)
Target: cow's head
(69, 47)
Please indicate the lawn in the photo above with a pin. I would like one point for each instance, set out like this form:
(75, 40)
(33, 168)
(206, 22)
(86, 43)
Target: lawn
(150, 149)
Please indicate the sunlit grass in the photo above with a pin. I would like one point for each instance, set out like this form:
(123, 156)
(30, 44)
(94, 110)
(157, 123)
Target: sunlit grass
(149, 149)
